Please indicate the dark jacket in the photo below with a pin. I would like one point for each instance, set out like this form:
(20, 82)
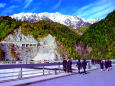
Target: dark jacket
(84, 64)
(79, 64)
(69, 65)
(109, 63)
(92, 61)
(101, 64)
(106, 64)
(64, 63)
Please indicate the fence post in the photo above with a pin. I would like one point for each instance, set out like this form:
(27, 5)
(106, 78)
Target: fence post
(55, 71)
(59, 66)
(20, 73)
(89, 66)
(43, 69)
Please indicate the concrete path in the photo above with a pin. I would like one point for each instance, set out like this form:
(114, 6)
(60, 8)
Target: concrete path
(23, 82)
(93, 78)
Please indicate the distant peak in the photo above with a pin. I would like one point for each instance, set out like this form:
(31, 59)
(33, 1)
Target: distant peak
(72, 21)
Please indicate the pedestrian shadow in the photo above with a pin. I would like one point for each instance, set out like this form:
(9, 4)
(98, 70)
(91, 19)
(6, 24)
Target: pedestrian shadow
(72, 73)
(85, 73)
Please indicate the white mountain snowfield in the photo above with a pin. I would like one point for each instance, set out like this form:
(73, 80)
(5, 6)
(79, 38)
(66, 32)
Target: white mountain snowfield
(72, 21)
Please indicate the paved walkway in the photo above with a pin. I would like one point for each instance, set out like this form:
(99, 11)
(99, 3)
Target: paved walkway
(93, 78)
(26, 81)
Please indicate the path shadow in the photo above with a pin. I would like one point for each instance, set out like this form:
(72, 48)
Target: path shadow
(85, 73)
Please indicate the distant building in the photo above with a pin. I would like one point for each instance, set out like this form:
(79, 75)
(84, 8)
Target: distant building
(17, 38)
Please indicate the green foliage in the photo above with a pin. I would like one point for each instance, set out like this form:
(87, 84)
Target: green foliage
(7, 25)
(101, 36)
(65, 35)
(82, 29)
(62, 33)
(1, 54)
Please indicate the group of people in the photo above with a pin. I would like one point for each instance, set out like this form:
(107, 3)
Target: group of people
(67, 65)
(107, 64)
(82, 64)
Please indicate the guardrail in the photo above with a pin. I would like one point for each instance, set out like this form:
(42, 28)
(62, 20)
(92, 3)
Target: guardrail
(27, 62)
(30, 65)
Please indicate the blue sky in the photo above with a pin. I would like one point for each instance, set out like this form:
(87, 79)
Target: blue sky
(88, 9)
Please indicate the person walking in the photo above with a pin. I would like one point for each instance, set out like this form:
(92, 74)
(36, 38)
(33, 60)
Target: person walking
(69, 65)
(92, 61)
(64, 64)
(106, 65)
(79, 65)
(101, 65)
(84, 64)
(109, 64)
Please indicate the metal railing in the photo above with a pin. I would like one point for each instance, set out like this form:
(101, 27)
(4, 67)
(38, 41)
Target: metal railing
(27, 62)
(26, 68)
(29, 68)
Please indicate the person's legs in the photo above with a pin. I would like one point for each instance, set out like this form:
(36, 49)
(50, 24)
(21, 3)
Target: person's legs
(78, 70)
(102, 68)
(65, 68)
(84, 70)
(107, 68)
(70, 69)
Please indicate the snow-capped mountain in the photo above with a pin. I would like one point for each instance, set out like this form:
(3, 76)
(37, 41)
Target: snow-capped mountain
(72, 21)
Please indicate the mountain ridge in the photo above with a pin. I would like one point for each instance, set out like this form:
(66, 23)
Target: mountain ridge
(72, 21)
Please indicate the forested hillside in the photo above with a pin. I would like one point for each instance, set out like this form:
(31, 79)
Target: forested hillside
(7, 25)
(101, 36)
(63, 34)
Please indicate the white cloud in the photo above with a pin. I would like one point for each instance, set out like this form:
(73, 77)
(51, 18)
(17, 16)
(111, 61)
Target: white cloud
(28, 2)
(2, 5)
(97, 9)
(102, 13)
(57, 4)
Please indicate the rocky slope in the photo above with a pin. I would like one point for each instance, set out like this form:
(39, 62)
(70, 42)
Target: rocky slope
(17, 46)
